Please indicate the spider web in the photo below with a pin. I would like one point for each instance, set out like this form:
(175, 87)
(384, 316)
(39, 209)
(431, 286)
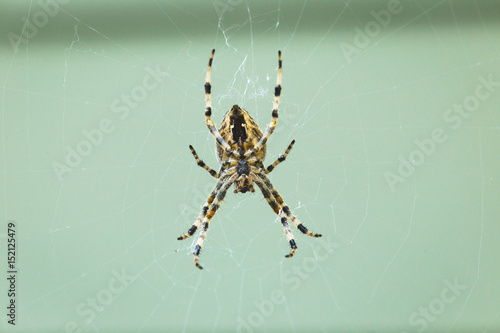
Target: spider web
(393, 106)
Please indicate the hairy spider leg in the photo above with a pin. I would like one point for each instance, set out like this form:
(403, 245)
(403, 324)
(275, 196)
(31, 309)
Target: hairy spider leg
(204, 209)
(210, 213)
(274, 114)
(284, 208)
(276, 208)
(224, 176)
(225, 167)
(208, 110)
(271, 167)
(280, 159)
(202, 164)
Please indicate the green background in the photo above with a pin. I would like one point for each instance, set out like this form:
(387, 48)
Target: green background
(365, 100)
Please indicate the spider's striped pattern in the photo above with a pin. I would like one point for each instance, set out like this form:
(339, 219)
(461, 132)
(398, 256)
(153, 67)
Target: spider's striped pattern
(241, 149)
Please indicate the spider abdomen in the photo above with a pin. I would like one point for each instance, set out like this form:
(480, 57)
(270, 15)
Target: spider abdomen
(239, 130)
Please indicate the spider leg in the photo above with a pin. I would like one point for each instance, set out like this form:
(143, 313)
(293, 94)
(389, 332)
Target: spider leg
(285, 208)
(274, 114)
(209, 214)
(208, 110)
(276, 208)
(280, 159)
(202, 164)
(204, 210)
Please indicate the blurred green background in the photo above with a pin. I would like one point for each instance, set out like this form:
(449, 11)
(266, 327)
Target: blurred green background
(394, 109)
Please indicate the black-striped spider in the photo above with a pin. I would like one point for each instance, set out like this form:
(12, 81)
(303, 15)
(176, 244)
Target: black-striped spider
(241, 149)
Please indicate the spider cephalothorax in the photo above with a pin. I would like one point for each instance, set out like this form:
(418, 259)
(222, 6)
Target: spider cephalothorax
(243, 183)
(241, 150)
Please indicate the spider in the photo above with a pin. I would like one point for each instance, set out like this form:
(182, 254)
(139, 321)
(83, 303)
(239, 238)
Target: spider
(241, 149)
